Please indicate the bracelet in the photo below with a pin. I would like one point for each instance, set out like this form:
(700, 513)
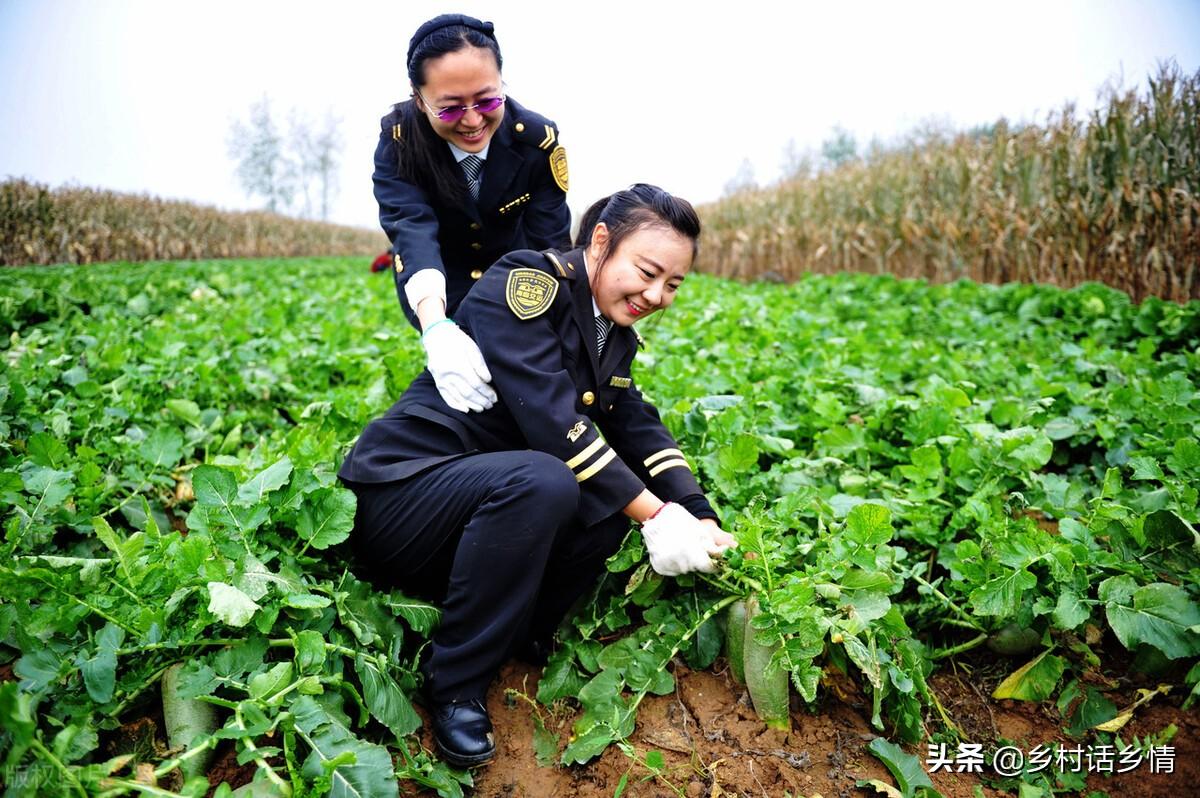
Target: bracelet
(436, 323)
(656, 512)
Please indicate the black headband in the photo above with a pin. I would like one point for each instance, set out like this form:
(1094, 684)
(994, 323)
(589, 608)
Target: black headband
(447, 21)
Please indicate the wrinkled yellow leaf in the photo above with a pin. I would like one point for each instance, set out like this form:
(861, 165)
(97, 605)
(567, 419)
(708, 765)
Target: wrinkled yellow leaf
(881, 787)
(117, 763)
(1010, 687)
(1126, 714)
(1116, 723)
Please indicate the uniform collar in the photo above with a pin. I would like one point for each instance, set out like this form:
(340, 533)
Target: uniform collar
(460, 154)
(621, 340)
(595, 307)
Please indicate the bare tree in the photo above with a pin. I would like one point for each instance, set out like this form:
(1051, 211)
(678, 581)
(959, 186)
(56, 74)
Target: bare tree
(263, 168)
(796, 163)
(743, 180)
(318, 150)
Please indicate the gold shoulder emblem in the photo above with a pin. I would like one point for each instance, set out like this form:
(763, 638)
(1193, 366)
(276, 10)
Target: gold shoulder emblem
(529, 292)
(558, 166)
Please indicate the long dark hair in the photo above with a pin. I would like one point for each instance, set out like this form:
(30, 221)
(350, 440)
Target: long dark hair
(423, 157)
(641, 205)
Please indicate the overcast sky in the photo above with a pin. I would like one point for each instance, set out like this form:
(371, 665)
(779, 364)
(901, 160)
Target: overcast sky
(136, 95)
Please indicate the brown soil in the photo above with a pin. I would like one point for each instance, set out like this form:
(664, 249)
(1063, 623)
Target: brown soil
(714, 745)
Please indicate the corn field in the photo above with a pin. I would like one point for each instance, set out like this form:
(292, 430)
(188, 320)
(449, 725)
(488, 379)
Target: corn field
(82, 225)
(1114, 198)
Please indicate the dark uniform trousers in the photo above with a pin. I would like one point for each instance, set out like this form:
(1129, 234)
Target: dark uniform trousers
(513, 511)
(470, 534)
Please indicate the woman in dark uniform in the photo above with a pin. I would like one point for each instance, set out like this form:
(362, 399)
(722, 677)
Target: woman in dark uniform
(508, 515)
(463, 175)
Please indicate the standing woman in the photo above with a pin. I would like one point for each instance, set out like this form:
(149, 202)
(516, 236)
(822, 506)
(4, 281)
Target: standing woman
(508, 515)
(463, 175)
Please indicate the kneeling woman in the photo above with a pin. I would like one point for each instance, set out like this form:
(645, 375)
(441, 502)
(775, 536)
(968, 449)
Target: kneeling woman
(508, 515)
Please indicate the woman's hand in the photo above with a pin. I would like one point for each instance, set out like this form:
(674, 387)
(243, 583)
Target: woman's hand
(457, 367)
(720, 540)
(679, 543)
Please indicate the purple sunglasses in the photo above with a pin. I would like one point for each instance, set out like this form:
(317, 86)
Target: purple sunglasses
(453, 113)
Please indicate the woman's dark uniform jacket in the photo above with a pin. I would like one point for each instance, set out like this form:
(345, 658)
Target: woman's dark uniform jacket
(531, 316)
(522, 205)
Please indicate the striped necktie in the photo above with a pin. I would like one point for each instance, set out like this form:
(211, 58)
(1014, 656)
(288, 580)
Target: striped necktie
(472, 165)
(603, 328)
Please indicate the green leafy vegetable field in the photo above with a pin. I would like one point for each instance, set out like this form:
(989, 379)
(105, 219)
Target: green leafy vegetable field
(914, 473)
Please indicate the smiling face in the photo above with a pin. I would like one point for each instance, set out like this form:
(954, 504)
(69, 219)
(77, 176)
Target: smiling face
(463, 77)
(643, 274)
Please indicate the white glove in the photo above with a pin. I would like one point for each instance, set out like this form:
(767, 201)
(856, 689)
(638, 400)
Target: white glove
(457, 367)
(716, 540)
(677, 542)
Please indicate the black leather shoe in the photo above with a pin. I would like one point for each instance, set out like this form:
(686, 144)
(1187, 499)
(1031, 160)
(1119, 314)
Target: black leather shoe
(463, 732)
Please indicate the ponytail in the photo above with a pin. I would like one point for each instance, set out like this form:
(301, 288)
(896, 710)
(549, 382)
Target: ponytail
(641, 205)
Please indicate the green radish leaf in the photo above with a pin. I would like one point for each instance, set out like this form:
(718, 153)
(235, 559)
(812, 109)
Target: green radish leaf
(265, 685)
(327, 517)
(904, 767)
(38, 669)
(214, 487)
(385, 700)
(357, 769)
(310, 651)
(48, 451)
(1158, 614)
(230, 604)
(268, 480)
(162, 449)
(1145, 468)
(49, 488)
(560, 679)
(589, 745)
(185, 410)
(1070, 611)
(100, 669)
(1002, 596)
(869, 524)
(306, 601)
(422, 617)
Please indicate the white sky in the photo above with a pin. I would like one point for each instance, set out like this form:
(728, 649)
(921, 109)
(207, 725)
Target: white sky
(136, 95)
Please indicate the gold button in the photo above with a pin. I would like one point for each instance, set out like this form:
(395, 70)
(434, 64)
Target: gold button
(399, 264)
(588, 398)
(476, 274)
(476, 245)
(474, 225)
(520, 127)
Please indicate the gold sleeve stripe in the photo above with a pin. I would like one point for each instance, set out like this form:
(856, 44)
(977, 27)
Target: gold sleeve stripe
(672, 463)
(600, 463)
(594, 447)
(654, 458)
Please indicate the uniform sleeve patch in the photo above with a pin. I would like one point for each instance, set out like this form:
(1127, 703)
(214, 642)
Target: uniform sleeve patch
(529, 292)
(558, 167)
